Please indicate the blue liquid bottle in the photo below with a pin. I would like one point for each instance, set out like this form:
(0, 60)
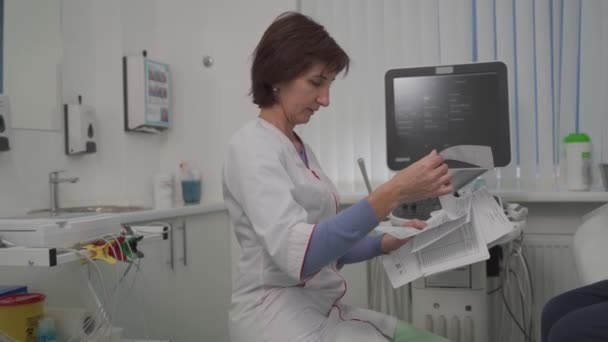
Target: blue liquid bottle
(46, 331)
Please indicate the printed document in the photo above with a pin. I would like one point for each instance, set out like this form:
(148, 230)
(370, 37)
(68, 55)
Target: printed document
(456, 212)
(488, 214)
(456, 236)
(480, 159)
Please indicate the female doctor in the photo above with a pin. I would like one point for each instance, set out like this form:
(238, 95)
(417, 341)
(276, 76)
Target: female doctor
(284, 209)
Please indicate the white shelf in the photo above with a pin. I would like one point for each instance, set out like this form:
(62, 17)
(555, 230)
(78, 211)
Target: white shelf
(553, 196)
(163, 214)
(48, 257)
(520, 196)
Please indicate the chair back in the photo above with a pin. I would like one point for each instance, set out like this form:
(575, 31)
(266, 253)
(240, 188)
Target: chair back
(591, 247)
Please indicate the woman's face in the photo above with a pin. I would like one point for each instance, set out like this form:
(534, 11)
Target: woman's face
(302, 97)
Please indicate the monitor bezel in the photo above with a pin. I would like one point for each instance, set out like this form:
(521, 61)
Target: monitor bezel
(499, 68)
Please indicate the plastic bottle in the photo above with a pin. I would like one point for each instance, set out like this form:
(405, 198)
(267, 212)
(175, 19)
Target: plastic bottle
(191, 183)
(46, 331)
(578, 161)
(163, 191)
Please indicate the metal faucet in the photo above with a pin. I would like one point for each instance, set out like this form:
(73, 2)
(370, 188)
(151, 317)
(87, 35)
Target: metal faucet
(53, 181)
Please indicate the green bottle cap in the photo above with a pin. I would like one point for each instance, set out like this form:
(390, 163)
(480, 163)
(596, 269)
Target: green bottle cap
(576, 138)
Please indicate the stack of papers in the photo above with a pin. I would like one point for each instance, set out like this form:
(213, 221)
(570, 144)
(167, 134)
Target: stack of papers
(455, 236)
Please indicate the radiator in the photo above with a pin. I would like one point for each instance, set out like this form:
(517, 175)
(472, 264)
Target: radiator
(552, 271)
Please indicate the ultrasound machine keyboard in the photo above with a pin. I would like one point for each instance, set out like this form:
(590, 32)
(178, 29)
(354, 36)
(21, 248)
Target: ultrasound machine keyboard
(418, 210)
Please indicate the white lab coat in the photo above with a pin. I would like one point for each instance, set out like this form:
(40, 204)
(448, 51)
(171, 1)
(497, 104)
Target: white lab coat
(274, 202)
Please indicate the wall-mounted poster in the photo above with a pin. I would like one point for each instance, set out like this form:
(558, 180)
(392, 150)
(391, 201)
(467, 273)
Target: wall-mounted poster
(147, 94)
(157, 92)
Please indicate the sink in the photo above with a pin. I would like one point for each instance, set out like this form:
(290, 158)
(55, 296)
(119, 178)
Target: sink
(83, 211)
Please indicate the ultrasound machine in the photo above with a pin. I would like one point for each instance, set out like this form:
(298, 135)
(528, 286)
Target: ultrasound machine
(434, 108)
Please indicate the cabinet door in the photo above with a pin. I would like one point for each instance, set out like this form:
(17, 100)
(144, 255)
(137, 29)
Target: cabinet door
(203, 286)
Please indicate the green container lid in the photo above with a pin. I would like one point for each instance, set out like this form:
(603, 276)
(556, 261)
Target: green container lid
(577, 138)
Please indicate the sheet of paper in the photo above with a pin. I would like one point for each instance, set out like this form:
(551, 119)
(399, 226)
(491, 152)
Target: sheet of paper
(456, 206)
(401, 266)
(477, 155)
(428, 237)
(489, 216)
(404, 232)
(463, 246)
(456, 236)
(456, 212)
(398, 232)
(462, 177)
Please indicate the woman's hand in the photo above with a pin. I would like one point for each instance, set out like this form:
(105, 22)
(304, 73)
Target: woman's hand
(390, 243)
(428, 177)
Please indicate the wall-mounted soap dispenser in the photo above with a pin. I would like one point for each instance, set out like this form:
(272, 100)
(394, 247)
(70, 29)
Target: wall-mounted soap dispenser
(4, 124)
(80, 135)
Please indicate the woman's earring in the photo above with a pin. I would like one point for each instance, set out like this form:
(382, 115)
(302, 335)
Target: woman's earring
(275, 89)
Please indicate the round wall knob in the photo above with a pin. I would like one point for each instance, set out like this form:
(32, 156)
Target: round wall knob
(207, 61)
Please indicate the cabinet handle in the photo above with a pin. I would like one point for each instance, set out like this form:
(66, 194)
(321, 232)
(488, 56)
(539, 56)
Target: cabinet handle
(171, 248)
(184, 243)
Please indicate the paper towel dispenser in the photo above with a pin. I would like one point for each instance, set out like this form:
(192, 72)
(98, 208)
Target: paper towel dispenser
(80, 135)
(4, 124)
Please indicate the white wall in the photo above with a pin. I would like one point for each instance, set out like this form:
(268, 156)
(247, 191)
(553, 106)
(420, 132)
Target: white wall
(209, 103)
(32, 29)
(213, 101)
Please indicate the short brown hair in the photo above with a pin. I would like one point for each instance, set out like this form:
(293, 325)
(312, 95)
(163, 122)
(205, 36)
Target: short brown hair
(291, 45)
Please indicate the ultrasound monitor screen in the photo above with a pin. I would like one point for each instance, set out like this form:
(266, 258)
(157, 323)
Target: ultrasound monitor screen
(438, 107)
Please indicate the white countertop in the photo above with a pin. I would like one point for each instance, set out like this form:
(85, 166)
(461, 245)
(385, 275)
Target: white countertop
(41, 256)
(353, 197)
(518, 196)
(347, 198)
(161, 214)
(48, 235)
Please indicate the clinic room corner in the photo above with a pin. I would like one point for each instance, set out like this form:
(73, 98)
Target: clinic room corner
(303, 170)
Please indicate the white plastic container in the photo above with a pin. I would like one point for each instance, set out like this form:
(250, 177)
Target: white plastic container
(578, 161)
(604, 174)
(164, 186)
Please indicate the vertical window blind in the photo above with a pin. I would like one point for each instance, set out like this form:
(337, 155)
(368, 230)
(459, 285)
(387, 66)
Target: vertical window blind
(556, 52)
(1, 46)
